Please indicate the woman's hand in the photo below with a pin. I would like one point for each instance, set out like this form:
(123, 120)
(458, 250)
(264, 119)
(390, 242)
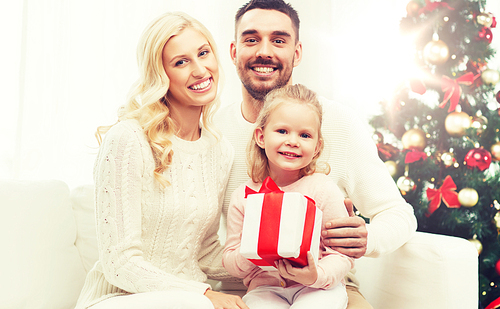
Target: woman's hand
(225, 301)
(306, 275)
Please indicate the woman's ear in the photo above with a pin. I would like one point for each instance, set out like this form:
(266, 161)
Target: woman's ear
(259, 137)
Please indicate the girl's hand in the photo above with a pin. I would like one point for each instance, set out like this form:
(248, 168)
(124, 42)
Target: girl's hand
(306, 275)
(225, 301)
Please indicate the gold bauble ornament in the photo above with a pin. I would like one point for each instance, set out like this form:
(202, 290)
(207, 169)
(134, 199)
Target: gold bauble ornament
(477, 244)
(392, 167)
(490, 77)
(485, 19)
(468, 197)
(412, 8)
(414, 139)
(497, 220)
(448, 159)
(495, 151)
(456, 123)
(480, 123)
(406, 185)
(436, 52)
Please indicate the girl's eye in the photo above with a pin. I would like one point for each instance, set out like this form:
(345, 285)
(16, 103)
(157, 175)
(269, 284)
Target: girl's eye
(281, 131)
(305, 135)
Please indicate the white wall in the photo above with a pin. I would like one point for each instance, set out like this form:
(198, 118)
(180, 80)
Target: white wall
(67, 65)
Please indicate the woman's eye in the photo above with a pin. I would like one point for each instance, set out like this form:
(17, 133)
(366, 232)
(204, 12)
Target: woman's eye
(203, 53)
(180, 62)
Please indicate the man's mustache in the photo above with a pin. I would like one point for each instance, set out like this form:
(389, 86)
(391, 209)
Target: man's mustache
(268, 62)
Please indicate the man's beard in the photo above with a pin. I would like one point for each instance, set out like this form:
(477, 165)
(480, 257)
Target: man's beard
(259, 93)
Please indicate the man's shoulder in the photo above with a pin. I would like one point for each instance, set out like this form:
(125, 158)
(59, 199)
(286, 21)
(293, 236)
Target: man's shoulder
(335, 108)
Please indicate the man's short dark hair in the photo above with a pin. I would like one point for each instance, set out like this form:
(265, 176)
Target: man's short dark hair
(277, 5)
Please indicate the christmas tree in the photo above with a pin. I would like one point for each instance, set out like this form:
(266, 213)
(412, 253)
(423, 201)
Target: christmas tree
(443, 126)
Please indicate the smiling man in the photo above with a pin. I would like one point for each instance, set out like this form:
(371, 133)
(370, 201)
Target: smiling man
(265, 51)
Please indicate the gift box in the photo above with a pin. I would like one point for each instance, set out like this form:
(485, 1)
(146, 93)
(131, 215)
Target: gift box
(279, 225)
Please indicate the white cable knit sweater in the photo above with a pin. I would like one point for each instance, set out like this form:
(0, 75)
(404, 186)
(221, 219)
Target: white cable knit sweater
(152, 238)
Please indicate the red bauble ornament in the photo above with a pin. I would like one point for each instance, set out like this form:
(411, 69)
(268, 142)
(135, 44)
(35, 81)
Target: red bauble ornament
(485, 34)
(498, 97)
(478, 157)
(494, 304)
(497, 267)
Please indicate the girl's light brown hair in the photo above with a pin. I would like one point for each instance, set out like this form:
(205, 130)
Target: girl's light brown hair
(258, 165)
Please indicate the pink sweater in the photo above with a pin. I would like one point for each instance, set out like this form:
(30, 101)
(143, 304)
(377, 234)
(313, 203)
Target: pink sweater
(332, 265)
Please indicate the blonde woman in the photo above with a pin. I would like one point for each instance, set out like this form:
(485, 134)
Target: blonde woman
(160, 176)
(285, 146)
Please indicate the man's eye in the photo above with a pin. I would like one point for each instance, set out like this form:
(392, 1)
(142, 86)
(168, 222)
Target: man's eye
(250, 40)
(279, 41)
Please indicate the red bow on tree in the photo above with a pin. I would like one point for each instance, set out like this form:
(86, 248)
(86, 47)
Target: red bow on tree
(452, 89)
(446, 193)
(414, 155)
(417, 86)
(431, 6)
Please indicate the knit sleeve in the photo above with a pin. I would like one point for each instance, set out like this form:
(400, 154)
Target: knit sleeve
(119, 177)
(375, 195)
(210, 260)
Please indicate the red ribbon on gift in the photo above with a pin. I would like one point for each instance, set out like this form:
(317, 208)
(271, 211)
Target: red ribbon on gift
(446, 193)
(267, 247)
(452, 89)
(431, 6)
(414, 155)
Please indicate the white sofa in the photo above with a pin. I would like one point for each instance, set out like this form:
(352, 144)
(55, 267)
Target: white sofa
(48, 245)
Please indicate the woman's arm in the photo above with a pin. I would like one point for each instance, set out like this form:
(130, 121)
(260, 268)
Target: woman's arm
(123, 164)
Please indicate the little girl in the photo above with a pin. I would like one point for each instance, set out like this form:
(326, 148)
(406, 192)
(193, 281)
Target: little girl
(285, 146)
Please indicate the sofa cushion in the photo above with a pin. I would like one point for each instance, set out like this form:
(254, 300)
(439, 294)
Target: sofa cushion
(40, 264)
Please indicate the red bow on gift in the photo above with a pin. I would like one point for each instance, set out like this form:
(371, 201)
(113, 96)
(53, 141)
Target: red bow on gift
(453, 90)
(414, 155)
(268, 185)
(446, 193)
(431, 6)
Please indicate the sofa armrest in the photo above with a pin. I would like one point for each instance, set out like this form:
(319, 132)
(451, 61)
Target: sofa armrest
(429, 271)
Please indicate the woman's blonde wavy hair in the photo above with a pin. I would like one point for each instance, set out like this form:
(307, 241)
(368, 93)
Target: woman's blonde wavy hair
(258, 164)
(147, 101)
